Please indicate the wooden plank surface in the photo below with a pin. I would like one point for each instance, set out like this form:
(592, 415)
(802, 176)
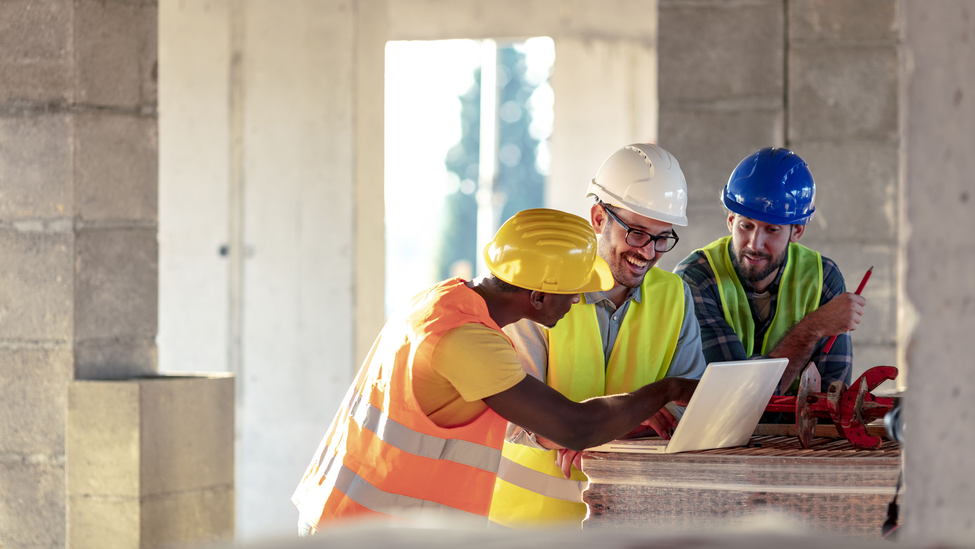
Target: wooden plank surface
(830, 487)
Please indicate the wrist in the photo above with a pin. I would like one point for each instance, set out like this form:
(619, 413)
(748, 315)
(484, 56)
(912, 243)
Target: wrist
(673, 390)
(810, 327)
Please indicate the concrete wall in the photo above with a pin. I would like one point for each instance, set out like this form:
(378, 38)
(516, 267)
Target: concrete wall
(194, 185)
(817, 76)
(297, 351)
(256, 158)
(843, 120)
(273, 105)
(272, 122)
(938, 125)
(78, 255)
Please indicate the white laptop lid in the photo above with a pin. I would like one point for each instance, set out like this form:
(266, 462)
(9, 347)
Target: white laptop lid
(723, 411)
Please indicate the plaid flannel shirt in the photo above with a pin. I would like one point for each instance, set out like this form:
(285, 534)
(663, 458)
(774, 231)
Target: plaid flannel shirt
(719, 340)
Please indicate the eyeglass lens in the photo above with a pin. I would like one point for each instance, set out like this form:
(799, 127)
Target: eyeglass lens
(639, 239)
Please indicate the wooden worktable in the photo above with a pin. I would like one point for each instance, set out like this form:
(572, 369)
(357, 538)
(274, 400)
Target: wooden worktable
(831, 487)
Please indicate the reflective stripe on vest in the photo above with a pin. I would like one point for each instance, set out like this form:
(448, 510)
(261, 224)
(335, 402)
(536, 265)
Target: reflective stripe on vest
(382, 454)
(359, 490)
(420, 444)
(642, 354)
(558, 488)
(800, 290)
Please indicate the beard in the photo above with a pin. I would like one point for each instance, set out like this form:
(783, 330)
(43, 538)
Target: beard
(753, 275)
(620, 267)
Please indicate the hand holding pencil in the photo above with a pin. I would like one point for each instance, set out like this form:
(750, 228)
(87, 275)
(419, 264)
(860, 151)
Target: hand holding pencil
(863, 282)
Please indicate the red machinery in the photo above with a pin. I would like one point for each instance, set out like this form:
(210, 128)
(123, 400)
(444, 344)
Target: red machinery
(851, 408)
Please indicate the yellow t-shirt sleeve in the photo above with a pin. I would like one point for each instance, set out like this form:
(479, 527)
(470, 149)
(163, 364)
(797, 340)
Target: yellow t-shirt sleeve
(469, 363)
(478, 361)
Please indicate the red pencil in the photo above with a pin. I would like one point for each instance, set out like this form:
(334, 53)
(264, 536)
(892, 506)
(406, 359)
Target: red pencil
(866, 277)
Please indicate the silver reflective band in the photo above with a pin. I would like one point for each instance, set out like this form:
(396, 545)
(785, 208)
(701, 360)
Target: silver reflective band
(403, 438)
(365, 494)
(540, 483)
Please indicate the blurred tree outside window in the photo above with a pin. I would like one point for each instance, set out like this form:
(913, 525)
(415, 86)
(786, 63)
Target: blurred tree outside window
(431, 211)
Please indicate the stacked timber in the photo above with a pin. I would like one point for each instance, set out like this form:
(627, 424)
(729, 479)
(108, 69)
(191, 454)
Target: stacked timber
(829, 487)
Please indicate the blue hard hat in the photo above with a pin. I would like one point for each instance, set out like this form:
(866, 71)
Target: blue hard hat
(772, 185)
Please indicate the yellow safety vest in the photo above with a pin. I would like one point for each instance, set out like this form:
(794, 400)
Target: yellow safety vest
(800, 290)
(530, 490)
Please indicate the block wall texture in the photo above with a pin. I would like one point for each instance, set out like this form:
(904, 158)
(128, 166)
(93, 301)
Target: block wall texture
(842, 119)
(816, 76)
(78, 208)
(721, 98)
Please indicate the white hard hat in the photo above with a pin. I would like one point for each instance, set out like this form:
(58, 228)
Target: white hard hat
(644, 179)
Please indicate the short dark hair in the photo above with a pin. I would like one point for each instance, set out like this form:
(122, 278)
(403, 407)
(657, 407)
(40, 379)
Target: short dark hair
(505, 287)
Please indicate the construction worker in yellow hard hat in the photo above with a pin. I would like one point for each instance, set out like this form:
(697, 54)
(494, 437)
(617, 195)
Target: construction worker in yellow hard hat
(421, 429)
(639, 330)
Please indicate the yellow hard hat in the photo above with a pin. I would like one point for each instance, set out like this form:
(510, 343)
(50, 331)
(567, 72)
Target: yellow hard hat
(548, 251)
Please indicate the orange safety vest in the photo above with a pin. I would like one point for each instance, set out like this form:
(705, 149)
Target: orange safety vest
(382, 455)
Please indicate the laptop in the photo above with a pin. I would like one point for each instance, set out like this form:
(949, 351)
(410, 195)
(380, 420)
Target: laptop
(722, 412)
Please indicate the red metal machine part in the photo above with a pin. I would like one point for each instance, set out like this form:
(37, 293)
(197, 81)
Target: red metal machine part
(851, 408)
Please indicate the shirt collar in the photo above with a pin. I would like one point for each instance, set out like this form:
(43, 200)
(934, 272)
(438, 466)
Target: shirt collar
(591, 298)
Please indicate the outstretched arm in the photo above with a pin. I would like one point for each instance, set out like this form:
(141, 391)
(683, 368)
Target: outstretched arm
(577, 426)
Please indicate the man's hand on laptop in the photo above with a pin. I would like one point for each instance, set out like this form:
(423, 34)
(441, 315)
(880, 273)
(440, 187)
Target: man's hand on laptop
(662, 424)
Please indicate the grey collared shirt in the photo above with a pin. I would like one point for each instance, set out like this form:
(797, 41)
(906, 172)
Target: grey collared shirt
(531, 344)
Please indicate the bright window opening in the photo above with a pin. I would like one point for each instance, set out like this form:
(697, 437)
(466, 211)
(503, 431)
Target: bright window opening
(449, 105)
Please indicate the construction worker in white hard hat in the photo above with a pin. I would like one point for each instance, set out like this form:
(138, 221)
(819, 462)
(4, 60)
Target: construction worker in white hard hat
(640, 330)
(420, 431)
(758, 292)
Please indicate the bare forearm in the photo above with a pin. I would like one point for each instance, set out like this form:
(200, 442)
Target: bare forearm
(578, 426)
(797, 345)
(840, 314)
(612, 417)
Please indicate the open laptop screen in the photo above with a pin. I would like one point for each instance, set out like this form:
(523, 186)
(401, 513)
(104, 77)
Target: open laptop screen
(723, 411)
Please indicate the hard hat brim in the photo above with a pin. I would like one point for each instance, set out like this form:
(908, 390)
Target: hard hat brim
(764, 217)
(601, 280)
(613, 199)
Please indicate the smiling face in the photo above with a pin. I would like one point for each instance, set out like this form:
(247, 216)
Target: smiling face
(627, 263)
(759, 248)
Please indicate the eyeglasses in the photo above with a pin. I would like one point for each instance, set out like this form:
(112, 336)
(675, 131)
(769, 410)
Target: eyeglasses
(638, 239)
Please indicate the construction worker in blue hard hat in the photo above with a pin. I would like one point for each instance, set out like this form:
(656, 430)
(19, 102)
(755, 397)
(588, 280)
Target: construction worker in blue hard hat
(758, 292)
(614, 340)
(420, 432)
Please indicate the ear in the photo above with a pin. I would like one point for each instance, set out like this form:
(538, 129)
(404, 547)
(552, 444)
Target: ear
(731, 220)
(597, 216)
(797, 231)
(537, 299)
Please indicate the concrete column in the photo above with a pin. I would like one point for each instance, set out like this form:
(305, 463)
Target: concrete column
(77, 232)
(605, 97)
(721, 98)
(842, 119)
(938, 125)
